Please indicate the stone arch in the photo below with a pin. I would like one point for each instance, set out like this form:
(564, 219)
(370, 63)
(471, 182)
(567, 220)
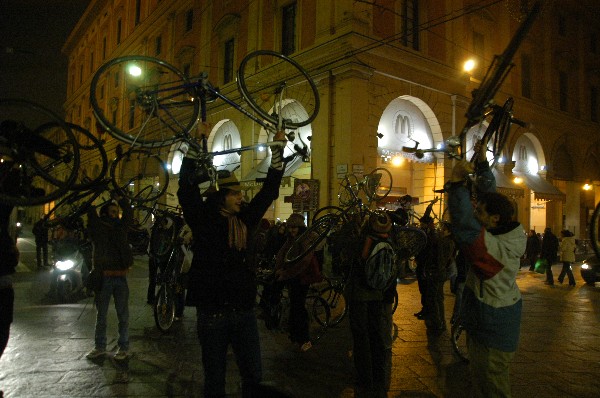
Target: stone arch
(528, 154)
(591, 166)
(562, 164)
(225, 135)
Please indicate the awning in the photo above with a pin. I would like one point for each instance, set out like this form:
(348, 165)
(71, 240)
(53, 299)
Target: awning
(260, 171)
(543, 190)
(506, 186)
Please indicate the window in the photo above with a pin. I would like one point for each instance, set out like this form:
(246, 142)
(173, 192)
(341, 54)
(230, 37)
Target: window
(563, 87)
(594, 43)
(594, 103)
(189, 20)
(157, 45)
(562, 25)
(116, 79)
(410, 23)
(186, 70)
(478, 43)
(228, 61)
(525, 76)
(119, 30)
(80, 74)
(104, 48)
(288, 29)
(102, 91)
(92, 62)
(131, 113)
(138, 11)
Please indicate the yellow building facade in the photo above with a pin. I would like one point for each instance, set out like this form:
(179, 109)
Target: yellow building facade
(390, 74)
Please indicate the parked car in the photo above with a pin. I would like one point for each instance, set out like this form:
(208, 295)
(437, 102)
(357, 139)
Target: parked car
(590, 270)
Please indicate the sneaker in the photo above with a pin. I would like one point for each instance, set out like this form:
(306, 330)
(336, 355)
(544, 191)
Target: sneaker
(306, 346)
(121, 355)
(95, 353)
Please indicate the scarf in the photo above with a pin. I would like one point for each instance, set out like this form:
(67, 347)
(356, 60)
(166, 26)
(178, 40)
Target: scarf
(237, 231)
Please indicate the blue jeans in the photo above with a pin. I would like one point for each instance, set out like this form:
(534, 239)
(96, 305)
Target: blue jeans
(113, 286)
(216, 333)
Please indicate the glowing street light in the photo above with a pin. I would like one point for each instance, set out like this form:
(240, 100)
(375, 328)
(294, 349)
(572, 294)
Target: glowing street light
(469, 65)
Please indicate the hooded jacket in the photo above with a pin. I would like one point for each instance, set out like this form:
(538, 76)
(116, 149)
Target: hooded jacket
(567, 249)
(492, 301)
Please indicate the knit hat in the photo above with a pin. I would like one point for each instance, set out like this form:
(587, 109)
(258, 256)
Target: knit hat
(380, 222)
(295, 220)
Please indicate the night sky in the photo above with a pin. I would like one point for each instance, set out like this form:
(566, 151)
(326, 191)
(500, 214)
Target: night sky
(32, 33)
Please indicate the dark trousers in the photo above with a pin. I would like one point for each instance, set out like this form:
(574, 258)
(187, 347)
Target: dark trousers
(566, 269)
(7, 301)
(369, 351)
(216, 332)
(298, 314)
(434, 304)
(41, 249)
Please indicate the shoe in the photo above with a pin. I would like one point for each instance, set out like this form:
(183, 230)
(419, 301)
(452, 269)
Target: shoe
(572, 284)
(95, 353)
(549, 283)
(121, 355)
(560, 281)
(306, 346)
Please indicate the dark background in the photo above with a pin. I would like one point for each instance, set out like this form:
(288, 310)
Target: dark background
(32, 34)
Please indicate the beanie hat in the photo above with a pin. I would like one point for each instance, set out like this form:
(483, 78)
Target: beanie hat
(295, 220)
(380, 222)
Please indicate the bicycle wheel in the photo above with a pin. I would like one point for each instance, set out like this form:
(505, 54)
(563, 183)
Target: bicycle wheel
(91, 153)
(459, 340)
(75, 205)
(319, 315)
(310, 238)
(407, 241)
(139, 175)
(348, 190)
(497, 132)
(274, 85)
(37, 166)
(338, 307)
(378, 184)
(143, 101)
(595, 230)
(164, 234)
(164, 307)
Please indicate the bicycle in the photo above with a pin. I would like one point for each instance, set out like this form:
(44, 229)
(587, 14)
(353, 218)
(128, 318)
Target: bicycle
(276, 309)
(37, 164)
(147, 102)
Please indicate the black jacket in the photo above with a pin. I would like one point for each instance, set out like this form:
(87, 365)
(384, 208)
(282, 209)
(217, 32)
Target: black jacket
(221, 276)
(111, 248)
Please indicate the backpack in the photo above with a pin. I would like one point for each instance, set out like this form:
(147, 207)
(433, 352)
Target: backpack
(380, 265)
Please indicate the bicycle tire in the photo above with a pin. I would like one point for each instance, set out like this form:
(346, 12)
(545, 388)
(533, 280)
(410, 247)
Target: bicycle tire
(309, 239)
(73, 205)
(348, 190)
(263, 74)
(378, 184)
(142, 170)
(91, 150)
(151, 108)
(319, 310)
(34, 170)
(338, 307)
(407, 241)
(497, 131)
(458, 338)
(595, 230)
(164, 307)
(162, 240)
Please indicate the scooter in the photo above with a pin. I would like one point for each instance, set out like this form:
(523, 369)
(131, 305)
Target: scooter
(69, 271)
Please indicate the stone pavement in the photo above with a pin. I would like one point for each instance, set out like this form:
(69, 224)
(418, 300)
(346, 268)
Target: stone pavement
(559, 354)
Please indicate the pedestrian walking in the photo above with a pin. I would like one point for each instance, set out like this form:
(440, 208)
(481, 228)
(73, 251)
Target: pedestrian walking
(533, 248)
(567, 256)
(222, 285)
(549, 252)
(492, 244)
(112, 257)
(40, 232)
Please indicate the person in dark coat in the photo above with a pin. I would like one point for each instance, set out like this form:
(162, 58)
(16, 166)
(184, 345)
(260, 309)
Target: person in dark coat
(549, 252)
(222, 283)
(533, 248)
(40, 232)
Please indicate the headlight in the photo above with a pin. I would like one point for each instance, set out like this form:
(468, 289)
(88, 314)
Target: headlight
(585, 266)
(18, 225)
(65, 265)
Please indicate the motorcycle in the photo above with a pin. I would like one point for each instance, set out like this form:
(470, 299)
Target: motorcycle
(70, 270)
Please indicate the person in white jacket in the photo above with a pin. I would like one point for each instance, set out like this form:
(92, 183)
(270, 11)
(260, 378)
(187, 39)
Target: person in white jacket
(567, 256)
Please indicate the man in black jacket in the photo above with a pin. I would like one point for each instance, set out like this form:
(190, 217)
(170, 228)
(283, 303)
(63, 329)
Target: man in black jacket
(222, 283)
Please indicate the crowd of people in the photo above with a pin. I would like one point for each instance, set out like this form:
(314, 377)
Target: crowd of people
(481, 253)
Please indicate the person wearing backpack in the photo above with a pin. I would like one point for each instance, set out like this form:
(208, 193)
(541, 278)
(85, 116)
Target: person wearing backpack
(366, 313)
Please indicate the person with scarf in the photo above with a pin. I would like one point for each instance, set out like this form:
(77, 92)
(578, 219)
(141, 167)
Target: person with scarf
(221, 281)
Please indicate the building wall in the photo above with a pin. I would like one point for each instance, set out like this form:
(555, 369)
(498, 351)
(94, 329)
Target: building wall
(355, 52)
